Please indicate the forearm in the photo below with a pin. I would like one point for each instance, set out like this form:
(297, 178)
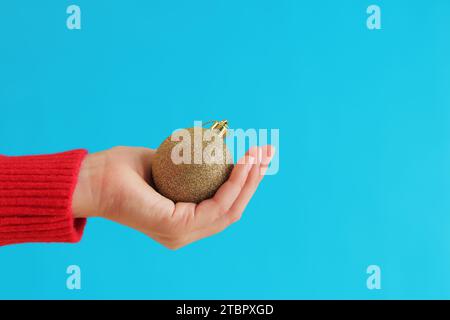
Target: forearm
(36, 198)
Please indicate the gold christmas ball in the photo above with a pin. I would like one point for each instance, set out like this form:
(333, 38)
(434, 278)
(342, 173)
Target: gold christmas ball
(192, 164)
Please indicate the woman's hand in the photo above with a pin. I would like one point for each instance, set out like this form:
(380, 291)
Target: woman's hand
(115, 184)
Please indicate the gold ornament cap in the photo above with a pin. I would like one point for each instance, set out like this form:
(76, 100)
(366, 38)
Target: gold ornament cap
(222, 126)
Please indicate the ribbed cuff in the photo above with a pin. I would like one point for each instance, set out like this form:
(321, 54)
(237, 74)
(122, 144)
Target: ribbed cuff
(36, 198)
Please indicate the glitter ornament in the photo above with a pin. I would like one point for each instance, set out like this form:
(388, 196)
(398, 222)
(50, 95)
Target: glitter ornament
(192, 164)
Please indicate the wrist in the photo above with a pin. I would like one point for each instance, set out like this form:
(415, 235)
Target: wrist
(82, 199)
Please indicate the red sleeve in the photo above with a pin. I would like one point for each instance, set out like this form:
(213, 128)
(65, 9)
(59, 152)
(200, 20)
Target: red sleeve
(36, 198)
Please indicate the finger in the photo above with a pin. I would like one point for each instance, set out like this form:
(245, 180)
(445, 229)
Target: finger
(201, 216)
(224, 220)
(253, 177)
(257, 173)
(267, 155)
(212, 209)
(218, 226)
(229, 191)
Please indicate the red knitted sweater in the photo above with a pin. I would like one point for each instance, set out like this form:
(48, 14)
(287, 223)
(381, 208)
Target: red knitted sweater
(36, 198)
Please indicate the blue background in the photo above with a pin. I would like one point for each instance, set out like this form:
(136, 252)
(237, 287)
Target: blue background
(364, 119)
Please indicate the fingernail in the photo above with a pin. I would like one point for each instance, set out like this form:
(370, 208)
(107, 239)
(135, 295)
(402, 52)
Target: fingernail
(269, 155)
(260, 155)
